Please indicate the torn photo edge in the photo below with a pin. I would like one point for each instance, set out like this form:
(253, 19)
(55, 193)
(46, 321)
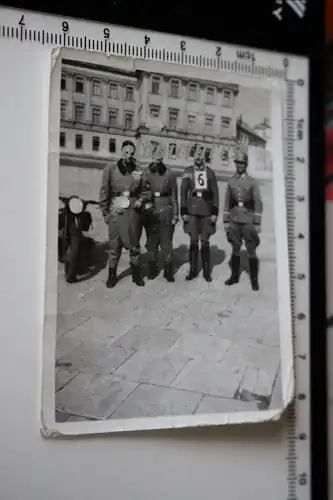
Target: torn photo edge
(51, 428)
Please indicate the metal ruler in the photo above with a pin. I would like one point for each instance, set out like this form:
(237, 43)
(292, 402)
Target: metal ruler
(52, 31)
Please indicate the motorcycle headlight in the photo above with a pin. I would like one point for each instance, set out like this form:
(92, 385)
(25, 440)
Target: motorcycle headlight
(75, 205)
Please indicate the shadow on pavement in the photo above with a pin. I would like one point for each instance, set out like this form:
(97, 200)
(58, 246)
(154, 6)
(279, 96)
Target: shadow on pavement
(94, 259)
(244, 262)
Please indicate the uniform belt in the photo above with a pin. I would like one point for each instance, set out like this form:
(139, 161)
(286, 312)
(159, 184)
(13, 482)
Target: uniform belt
(121, 193)
(157, 194)
(243, 204)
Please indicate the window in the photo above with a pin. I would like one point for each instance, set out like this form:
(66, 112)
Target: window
(96, 115)
(191, 122)
(225, 156)
(113, 117)
(155, 85)
(78, 141)
(174, 89)
(227, 98)
(63, 82)
(96, 87)
(62, 141)
(112, 145)
(154, 111)
(173, 118)
(129, 93)
(172, 150)
(63, 108)
(128, 121)
(193, 150)
(225, 124)
(210, 95)
(113, 91)
(95, 143)
(192, 91)
(208, 155)
(79, 112)
(79, 84)
(209, 122)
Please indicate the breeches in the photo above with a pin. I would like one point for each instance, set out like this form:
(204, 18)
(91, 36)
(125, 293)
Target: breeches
(239, 233)
(199, 228)
(160, 234)
(124, 232)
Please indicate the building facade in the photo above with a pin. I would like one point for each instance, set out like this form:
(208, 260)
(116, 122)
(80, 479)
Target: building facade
(102, 107)
(257, 141)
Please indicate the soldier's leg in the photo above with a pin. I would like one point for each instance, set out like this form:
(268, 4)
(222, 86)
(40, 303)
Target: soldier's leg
(132, 236)
(166, 235)
(251, 240)
(115, 247)
(193, 231)
(234, 236)
(207, 229)
(152, 232)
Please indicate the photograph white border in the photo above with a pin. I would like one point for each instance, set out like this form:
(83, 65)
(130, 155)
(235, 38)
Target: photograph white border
(51, 428)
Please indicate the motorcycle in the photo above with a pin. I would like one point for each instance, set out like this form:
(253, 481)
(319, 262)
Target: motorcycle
(73, 220)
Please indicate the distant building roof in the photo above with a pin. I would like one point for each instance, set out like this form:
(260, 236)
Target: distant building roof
(263, 125)
(247, 128)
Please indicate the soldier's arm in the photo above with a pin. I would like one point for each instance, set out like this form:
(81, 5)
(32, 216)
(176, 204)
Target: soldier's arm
(105, 190)
(174, 194)
(145, 192)
(184, 188)
(215, 192)
(258, 205)
(227, 205)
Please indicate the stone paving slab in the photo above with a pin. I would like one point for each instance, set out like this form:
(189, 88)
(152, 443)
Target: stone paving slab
(93, 396)
(213, 404)
(156, 401)
(96, 358)
(215, 379)
(153, 368)
(150, 339)
(63, 377)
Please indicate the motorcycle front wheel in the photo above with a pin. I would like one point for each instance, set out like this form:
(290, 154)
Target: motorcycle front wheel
(71, 266)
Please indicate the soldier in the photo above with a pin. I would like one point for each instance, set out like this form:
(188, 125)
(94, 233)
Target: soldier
(199, 211)
(242, 219)
(160, 230)
(123, 192)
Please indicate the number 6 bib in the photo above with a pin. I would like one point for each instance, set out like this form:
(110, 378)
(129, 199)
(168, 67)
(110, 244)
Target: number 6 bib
(200, 179)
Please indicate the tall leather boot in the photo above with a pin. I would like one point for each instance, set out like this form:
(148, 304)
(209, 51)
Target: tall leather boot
(136, 275)
(205, 258)
(112, 278)
(168, 272)
(235, 268)
(152, 270)
(194, 252)
(254, 269)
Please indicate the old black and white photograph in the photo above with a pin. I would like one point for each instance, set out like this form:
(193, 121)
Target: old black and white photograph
(167, 257)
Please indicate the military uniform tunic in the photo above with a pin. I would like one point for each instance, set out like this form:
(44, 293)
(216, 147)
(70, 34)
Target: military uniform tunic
(242, 211)
(121, 187)
(199, 200)
(163, 184)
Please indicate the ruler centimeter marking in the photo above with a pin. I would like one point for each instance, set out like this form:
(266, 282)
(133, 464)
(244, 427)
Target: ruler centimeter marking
(68, 33)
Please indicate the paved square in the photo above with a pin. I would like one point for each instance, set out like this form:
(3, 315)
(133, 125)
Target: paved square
(166, 348)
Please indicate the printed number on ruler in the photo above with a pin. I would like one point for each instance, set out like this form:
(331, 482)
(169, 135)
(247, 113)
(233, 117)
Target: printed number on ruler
(200, 179)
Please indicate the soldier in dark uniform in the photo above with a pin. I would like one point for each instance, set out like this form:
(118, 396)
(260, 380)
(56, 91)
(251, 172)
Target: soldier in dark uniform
(199, 210)
(242, 219)
(123, 192)
(163, 184)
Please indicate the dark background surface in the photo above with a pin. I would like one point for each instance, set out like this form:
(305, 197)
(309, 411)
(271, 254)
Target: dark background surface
(251, 23)
(243, 22)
